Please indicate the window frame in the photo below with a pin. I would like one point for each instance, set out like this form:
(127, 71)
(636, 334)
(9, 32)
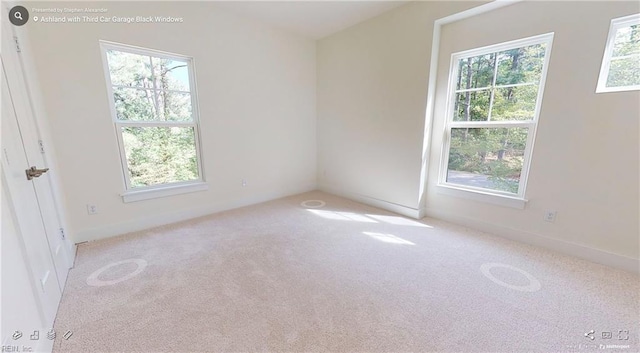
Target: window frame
(481, 194)
(614, 26)
(131, 193)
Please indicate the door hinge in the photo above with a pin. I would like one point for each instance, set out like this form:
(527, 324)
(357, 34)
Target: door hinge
(15, 39)
(62, 233)
(6, 156)
(41, 144)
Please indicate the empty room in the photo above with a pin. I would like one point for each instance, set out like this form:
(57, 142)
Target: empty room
(320, 176)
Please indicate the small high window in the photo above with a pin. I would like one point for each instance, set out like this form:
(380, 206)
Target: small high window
(620, 69)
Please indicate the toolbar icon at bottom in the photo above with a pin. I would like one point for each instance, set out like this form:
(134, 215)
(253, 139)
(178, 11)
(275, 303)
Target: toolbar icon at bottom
(67, 335)
(16, 335)
(51, 334)
(590, 335)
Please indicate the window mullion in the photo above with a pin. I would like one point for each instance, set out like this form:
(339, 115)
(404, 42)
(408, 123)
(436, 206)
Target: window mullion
(496, 86)
(476, 89)
(491, 124)
(613, 58)
(151, 89)
(493, 86)
(517, 85)
(155, 123)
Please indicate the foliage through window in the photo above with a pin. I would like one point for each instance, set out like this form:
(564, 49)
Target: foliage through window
(494, 99)
(620, 69)
(152, 99)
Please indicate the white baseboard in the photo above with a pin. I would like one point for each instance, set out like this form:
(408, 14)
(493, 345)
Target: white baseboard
(562, 246)
(568, 248)
(179, 216)
(72, 255)
(385, 205)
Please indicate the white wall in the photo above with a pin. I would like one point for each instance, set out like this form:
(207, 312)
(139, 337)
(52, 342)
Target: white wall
(372, 81)
(372, 88)
(256, 89)
(585, 159)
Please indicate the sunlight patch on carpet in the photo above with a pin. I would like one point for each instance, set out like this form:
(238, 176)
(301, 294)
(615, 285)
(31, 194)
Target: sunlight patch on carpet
(401, 221)
(388, 238)
(342, 216)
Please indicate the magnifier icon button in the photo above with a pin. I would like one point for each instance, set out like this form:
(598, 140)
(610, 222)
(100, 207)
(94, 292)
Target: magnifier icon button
(18, 15)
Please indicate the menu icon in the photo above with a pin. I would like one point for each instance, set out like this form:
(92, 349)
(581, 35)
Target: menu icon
(35, 336)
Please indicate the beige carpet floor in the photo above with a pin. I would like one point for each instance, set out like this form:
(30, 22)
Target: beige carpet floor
(344, 277)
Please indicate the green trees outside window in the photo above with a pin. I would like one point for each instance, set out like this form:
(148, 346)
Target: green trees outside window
(493, 111)
(152, 103)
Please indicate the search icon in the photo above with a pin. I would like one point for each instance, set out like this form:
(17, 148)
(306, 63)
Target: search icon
(18, 15)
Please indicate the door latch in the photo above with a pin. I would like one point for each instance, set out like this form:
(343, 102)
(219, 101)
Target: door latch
(34, 172)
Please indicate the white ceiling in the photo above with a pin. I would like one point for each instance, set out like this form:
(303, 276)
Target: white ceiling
(312, 19)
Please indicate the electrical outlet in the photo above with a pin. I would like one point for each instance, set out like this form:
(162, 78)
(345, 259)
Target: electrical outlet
(244, 182)
(550, 216)
(92, 209)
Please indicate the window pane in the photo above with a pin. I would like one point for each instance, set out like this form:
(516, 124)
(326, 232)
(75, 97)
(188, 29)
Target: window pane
(129, 69)
(488, 158)
(160, 155)
(627, 41)
(175, 106)
(475, 72)
(472, 106)
(520, 65)
(624, 72)
(171, 74)
(514, 103)
(134, 104)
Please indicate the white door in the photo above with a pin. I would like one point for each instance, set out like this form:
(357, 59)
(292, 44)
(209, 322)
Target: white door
(20, 309)
(34, 155)
(21, 195)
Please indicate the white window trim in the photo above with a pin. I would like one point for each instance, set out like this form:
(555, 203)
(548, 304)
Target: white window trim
(131, 194)
(615, 25)
(487, 195)
(163, 191)
(482, 195)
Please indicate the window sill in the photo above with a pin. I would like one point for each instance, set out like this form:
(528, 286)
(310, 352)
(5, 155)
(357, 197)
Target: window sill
(146, 194)
(486, 197)
(617, 89)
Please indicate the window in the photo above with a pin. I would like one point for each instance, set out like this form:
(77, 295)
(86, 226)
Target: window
(494, 96)
(620, 69)
(153, 104)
